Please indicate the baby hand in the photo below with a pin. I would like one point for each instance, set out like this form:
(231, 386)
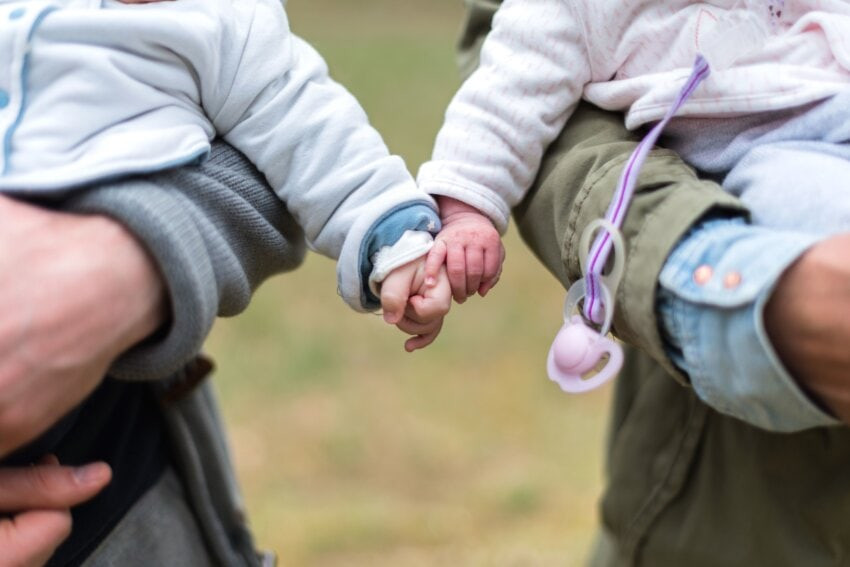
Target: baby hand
(470, 246)
(415, 308)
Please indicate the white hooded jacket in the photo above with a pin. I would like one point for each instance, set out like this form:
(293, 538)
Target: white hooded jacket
(95, 89)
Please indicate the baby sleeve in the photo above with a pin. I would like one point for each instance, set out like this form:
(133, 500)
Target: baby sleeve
(276, 102)
(533, 68)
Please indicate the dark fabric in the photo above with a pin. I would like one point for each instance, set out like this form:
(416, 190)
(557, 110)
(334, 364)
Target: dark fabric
(119, 423)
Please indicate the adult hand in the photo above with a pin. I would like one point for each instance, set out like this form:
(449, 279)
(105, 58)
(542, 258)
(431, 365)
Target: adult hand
(78, 291)
(36, 501)
(808, 324)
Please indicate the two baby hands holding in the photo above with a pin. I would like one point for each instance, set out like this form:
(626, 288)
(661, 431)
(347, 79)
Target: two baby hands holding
(466, 259)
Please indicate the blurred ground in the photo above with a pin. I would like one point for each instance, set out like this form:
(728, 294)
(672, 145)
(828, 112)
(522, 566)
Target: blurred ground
(352, 452)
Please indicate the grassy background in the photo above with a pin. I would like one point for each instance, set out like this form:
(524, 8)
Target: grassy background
(352, 452)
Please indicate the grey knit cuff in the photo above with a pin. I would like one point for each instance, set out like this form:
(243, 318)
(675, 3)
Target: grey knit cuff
(159, 219)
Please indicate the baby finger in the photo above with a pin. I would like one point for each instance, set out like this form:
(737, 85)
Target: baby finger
(456, 270)
(425, 309)
(474, 269)
(423, 340)
(412, 327)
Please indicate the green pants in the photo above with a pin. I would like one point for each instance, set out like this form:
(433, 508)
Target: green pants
(685, 484)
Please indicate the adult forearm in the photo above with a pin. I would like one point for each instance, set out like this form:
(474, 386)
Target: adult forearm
(132, 288)
(215, 231)
(806, 319)
(95, 286)
(80, 290)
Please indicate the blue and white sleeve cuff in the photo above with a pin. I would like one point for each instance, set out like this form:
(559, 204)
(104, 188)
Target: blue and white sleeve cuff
(379, 254)
(413, 244)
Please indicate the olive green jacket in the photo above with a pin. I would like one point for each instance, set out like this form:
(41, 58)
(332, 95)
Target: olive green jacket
(685, 485)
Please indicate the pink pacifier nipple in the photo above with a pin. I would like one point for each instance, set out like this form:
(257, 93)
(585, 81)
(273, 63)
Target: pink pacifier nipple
(577, 350)
(572, 349)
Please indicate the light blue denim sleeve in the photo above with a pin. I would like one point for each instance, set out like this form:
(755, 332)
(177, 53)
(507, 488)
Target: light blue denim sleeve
(711, 298)
(386, 232)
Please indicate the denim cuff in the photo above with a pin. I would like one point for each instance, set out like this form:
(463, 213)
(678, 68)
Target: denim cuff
(711, 298)
(386, 232)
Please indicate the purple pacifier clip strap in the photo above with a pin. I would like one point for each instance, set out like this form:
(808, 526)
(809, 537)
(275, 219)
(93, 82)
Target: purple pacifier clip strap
(601, 248)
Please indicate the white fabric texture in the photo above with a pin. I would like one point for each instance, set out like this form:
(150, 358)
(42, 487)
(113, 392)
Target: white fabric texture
(97, 89)
(413, 244)
(543, 56)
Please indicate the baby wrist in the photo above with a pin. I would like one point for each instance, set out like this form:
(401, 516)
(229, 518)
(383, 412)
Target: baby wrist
(450, 206)
(413, 244)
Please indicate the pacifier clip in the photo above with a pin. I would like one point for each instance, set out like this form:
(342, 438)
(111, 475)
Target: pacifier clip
(578, 349)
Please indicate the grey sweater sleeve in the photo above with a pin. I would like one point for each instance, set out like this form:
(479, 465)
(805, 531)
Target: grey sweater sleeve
(216, 232)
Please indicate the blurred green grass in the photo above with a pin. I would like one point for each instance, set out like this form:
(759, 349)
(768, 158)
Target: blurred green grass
(352, 452)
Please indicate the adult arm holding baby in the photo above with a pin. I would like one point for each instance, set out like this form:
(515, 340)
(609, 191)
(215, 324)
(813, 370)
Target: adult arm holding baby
(680, 476)
(98, 293)
(533, 68)
(80, 291)
(212, 235)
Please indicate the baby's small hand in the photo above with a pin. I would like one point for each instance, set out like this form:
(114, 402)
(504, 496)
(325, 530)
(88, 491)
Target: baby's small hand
(470, 246)
(414, 307)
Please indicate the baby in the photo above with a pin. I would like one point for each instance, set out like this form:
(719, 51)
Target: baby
(770, 125)
(97, 89)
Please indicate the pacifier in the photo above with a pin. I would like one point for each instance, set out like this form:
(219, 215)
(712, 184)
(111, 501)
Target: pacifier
(579, 349)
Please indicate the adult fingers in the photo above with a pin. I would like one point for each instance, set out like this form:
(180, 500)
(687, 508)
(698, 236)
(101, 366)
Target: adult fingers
(456, 269)
(50, 485)
(434, 261)
(30, 538)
